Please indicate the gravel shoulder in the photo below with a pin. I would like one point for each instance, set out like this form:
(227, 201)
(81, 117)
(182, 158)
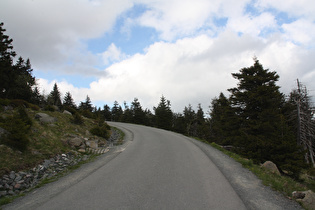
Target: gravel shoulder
(254, 194)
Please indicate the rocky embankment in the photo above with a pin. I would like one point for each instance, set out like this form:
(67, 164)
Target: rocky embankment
(16, 183)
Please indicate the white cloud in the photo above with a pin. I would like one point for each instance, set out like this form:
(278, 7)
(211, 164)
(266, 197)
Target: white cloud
(301, 31)
(112, 54)
(195, 70)
(78, 94)
(52, 33)
(252, 25)
(302, 8)
(177, 18)
(192, 62)
(188, 71)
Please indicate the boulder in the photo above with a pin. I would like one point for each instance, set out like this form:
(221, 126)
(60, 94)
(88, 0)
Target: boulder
(75, 141)
(298, 195)
(66, 112)
(271, 167)
(308, 201)
(92, 144)
(82, 150)
(45, 118)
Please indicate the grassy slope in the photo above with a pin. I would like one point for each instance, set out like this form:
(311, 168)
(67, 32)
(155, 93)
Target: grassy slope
(45, 141)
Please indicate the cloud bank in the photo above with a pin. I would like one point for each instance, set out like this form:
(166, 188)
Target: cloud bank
(196, 45)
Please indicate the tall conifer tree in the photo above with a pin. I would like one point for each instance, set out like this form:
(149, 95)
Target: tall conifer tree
(258, 104)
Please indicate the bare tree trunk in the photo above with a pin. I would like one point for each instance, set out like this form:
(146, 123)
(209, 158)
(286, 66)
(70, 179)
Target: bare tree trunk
(305, 124)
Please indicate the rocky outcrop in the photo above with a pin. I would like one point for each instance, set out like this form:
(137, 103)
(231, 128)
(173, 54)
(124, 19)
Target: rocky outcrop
(78, 142)
(45, 118)
(306, 198)
(16, 183)
(270, 166)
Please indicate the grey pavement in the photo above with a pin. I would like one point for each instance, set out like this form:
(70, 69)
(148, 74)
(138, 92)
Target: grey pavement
(156, 169)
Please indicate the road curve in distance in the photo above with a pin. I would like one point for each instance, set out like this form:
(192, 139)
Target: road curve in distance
(155, 169)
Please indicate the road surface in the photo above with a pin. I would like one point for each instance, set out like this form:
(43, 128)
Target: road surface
(155, 169)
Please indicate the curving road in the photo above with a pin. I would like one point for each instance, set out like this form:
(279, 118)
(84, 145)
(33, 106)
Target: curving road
(156, 169)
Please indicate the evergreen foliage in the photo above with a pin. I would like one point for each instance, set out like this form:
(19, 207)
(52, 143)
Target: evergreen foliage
(137, 113)
(117, 112)
(224, 123)
(101, 131)
(77, 119)
(68, 101)
(163, 114)
(86, 108)
(54, 97)
(18, 127)
(16, 81)
(106, 112)
(263, 132)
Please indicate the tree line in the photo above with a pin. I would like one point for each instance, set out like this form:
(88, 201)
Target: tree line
(256, 120)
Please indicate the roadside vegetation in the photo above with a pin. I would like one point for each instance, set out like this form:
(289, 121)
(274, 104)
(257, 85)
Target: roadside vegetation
(26, 142)
(283, 184)
(256, 121)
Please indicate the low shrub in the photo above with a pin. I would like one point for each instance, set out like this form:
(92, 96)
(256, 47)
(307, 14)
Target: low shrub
(50, 108)
(77, 119)
(18, 127)
(34, 107)
(101, 131)
(4, 102)
(19, 103)
(71, 110)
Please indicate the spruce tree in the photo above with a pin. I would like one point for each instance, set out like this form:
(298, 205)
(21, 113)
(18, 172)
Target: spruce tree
(190, 118)
(117, 112)
(163, 114)
(54, 97)
(16, 81)
(6, 62)
(138, 115)
(223, 122)
(106, 112)
(68, 101)
(258, 104)
(23, 80)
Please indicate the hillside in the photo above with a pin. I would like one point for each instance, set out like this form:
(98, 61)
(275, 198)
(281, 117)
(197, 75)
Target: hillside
(28, 140)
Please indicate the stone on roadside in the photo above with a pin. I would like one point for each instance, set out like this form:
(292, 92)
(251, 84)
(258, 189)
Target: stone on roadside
(75, 142)
(81, 150)
(298, 195)
(309, 200)
(271, 167)
(45, 118)
(92, 144)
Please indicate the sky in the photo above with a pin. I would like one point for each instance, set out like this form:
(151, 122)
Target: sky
(185, 50)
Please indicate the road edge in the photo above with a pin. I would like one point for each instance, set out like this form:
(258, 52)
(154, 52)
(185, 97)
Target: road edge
(41, 195)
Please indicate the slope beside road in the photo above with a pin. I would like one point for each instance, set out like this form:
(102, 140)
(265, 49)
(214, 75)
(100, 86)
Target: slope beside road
(157, 169)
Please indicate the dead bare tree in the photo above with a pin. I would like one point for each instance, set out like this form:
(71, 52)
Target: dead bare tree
(305, 121)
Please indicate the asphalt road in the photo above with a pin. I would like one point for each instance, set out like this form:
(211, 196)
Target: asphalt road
(156, 169)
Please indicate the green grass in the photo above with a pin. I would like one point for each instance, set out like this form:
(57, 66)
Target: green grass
(45, 141)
